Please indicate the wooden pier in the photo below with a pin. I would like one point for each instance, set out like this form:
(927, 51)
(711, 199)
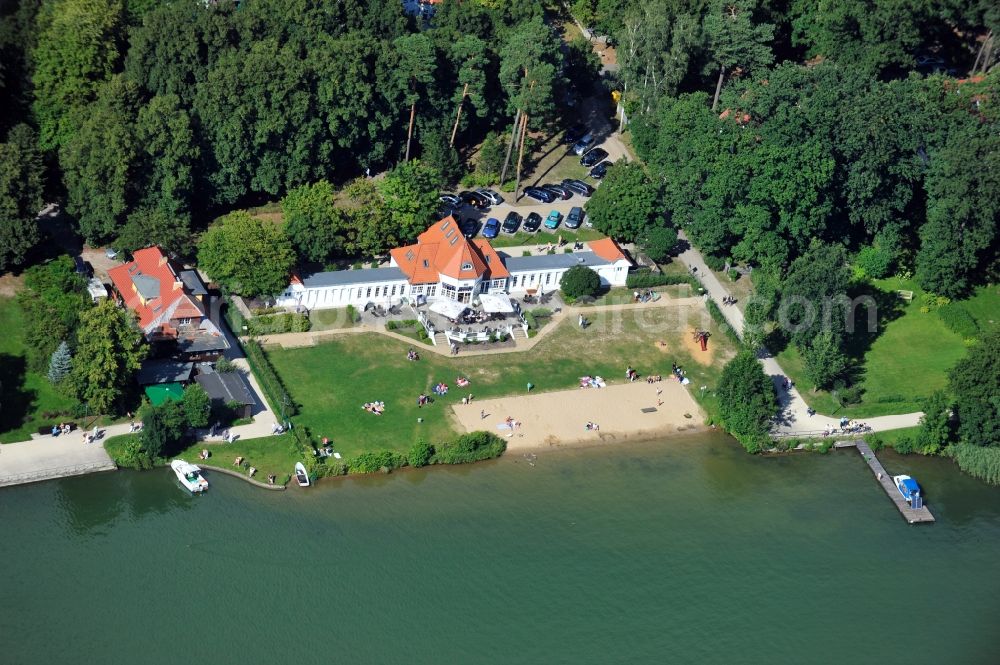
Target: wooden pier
(912, 515)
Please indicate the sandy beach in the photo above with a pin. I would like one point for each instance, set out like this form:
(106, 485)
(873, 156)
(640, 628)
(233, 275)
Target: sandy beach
(559, 418)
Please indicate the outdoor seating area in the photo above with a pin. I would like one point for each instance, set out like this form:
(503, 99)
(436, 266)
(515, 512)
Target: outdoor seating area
(490, 317)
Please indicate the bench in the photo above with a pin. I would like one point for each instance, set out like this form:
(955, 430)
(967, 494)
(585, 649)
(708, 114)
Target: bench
(48, 430)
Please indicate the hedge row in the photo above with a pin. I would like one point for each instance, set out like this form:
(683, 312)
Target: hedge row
(959, 320)
(278, 323)
(646, 280)
(268, 379)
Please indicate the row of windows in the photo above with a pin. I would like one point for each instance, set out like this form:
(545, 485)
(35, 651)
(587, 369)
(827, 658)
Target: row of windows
(383, 291)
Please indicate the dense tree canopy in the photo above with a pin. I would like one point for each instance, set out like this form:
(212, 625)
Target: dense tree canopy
(247, 255)
(626, 204)
(20, 195)
(975, 383)
(747, 402)
(109, 350)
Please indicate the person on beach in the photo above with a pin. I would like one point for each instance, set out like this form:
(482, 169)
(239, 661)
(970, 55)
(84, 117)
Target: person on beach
(482, 414)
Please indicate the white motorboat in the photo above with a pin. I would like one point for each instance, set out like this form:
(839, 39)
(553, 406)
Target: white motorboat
(189, 475)
(301, 475)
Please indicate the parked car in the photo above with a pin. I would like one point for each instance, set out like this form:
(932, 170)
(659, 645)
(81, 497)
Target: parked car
(574, 218)
(560, 191)
(511, 222)
(600, 170)
(575, 133)
(82, 267)
(578, 187)
(593, 157)
(585, 142)
(532, 222)
(491, 196)
(469, 227)
(111, 253)
(475, 200)
(491, 229)
(539, 194)
(552, 221)
(451, 199)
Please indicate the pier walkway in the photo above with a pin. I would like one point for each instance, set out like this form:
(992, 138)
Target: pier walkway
(911, 515)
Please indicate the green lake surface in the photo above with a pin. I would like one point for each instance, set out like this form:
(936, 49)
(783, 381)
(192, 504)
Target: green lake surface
(687, 551)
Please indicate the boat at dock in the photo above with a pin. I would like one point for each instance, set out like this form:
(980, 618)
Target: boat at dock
(301, 475)
(189, 475)
(909, 489)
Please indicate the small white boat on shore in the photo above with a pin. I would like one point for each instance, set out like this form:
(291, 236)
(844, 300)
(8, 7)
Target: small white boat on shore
(189, 475)
(301, 475)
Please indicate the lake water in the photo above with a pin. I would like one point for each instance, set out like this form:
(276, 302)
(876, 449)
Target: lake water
(683, 552)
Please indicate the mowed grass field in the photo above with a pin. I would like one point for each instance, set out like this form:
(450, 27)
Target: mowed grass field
(907, 362)
(24, 395)
(332, 381)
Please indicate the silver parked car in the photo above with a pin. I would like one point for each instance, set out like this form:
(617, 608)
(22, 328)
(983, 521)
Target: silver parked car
(491, 196)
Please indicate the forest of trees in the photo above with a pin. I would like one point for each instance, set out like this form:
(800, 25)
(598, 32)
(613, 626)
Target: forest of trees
(165, 114)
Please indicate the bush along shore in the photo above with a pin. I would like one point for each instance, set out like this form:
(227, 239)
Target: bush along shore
(278, 454)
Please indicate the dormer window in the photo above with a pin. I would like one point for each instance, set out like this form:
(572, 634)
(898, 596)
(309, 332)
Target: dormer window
(466, 266)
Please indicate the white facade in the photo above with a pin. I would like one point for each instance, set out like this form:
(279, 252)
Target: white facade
(389, 286)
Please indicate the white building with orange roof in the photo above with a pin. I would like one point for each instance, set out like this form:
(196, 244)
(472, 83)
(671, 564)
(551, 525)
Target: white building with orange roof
(444, 264)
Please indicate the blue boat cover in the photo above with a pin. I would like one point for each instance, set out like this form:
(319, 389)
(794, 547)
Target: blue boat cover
(911, 485)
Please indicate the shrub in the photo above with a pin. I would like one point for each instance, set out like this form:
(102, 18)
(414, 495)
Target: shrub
(904, 445)
(580, 281)
(197, 405)
(422, 334)
(959, 320)
(529, 318)
(391, 325)
(852, 395)
(374, 462)
(715, 263)
(352, 314)
(874, 262)
(526, 253)
(420, 454)
(734, 274)
(875, 442)
(541, 312)
(224, 365)
(471, 447)
(127, 452)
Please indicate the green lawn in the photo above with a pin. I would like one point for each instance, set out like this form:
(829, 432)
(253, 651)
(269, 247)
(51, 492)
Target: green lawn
(272, 454)
(553, 161)
(541, 238)
(330, 319)
(908, 361)
(24, 395)
(332, 381)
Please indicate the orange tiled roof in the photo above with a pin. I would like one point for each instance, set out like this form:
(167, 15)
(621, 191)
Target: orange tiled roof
(443, 250)
(150, 287)
(607, 249)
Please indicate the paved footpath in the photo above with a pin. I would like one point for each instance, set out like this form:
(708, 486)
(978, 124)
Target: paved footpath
(794, 417)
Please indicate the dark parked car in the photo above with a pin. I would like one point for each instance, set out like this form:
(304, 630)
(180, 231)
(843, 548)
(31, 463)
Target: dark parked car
(469, 227)
(491, 228)
(600, 170)
(511, 222)
(475, 200)
(574, 133)
(578, 187)
(82, 267)
(593, 157)
(532, 222)
(539, 194)
(559, 191)
(574, 218)
(585, 142)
